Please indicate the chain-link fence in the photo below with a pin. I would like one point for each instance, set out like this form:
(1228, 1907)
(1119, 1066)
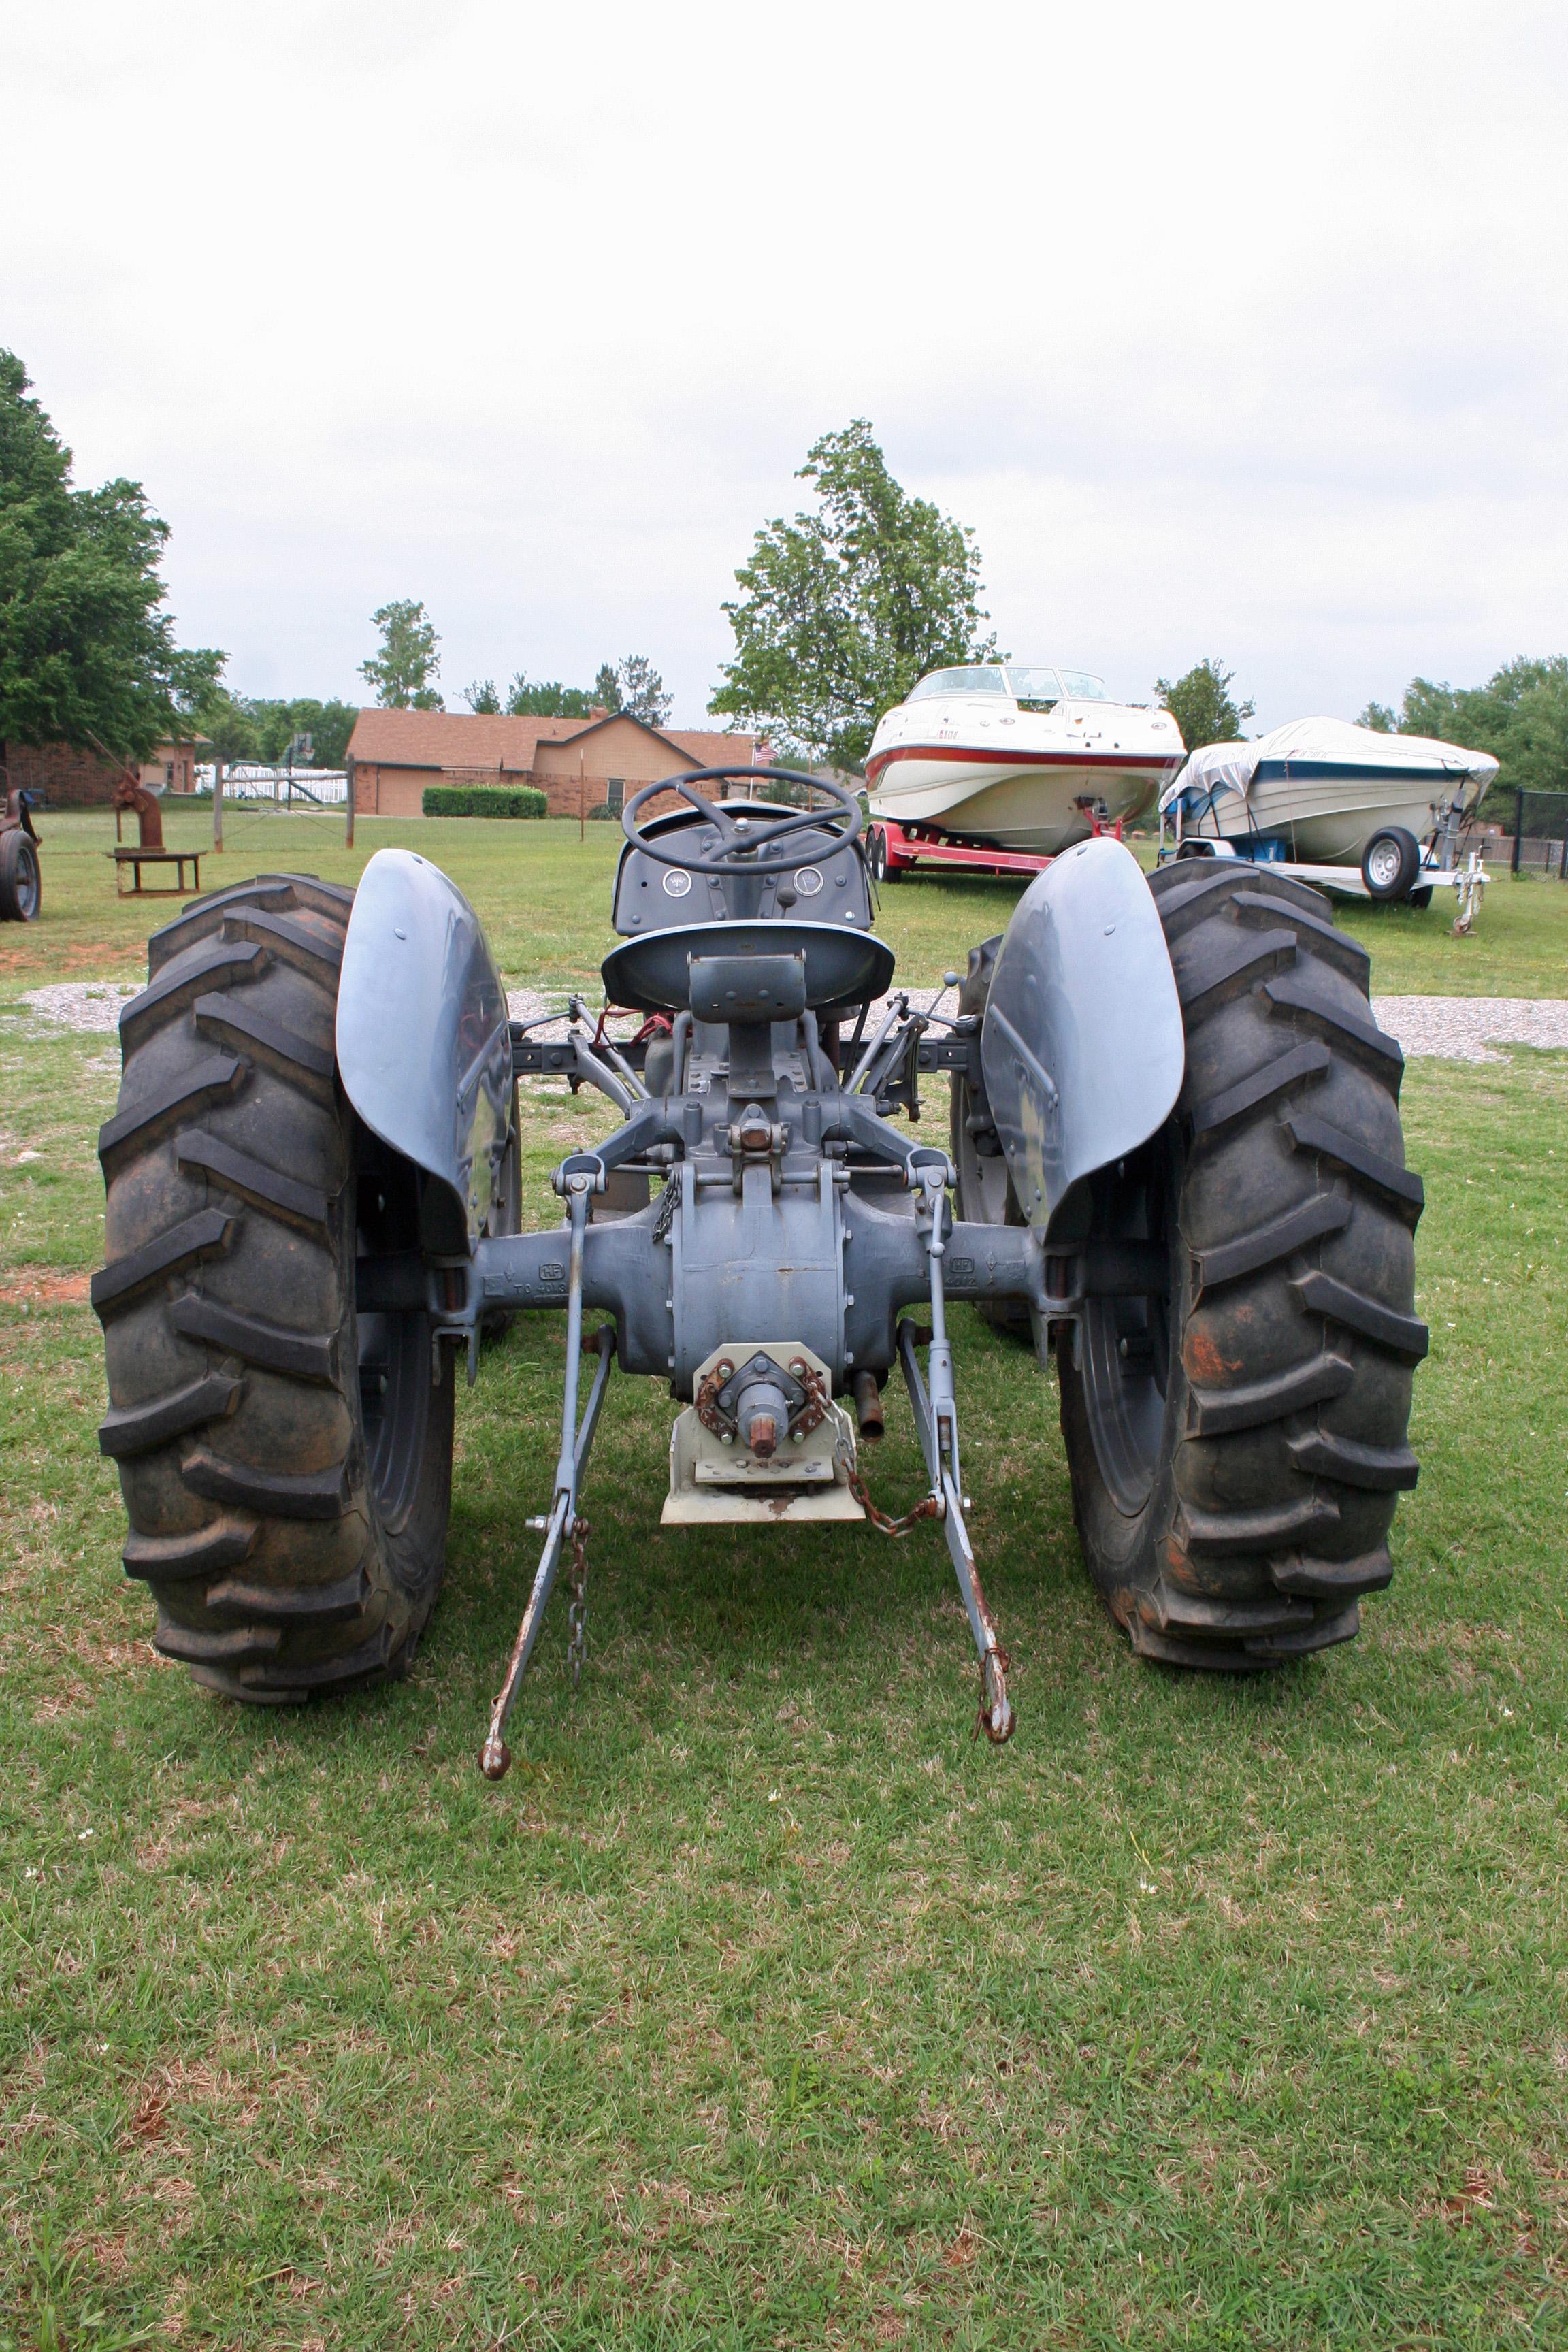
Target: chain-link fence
(1540, 834)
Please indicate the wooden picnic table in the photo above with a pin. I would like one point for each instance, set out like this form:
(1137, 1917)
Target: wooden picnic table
(124, 854)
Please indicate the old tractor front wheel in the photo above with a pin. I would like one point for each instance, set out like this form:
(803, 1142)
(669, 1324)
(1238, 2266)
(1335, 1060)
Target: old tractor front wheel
(285, 1460)
(1238, 1438)
(21, 889)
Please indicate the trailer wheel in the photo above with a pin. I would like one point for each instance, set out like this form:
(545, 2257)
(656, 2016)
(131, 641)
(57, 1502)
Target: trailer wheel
(877, 853)
(1238, 1443)
(1390, 863)
(285, 1461)
(21, 889)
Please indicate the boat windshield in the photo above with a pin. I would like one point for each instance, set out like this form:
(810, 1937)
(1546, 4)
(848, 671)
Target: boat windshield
(1036, 688)
(958, 681)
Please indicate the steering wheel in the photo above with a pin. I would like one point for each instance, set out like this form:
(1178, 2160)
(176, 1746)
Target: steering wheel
(744, 845)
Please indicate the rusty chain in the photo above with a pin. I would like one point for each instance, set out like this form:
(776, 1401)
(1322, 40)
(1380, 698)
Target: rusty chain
(577, 1615)
(928, 1508)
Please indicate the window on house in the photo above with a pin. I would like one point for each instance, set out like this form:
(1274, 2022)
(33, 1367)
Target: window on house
(616, 794)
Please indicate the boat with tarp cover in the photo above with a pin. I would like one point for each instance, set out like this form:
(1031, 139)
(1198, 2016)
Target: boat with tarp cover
(1320, 791)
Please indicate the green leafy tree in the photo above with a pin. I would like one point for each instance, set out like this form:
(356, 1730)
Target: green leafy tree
(1200, 702)
(208, 708)
(846, 607)
(1519, 716)
(1379, 718)
(328, 724)
(640, 691)
(482, 699)
(87, 653)
(404, 672)
(548, 699)
(607, 686)
(241, 727)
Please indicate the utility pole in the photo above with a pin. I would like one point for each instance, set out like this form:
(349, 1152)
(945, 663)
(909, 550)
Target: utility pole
(581, 790)
(217, 807)
(349, 804)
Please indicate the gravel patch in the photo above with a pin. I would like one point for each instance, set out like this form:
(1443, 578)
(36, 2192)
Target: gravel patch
(1452, 1028)
(82, 1004)
(1466, 1028)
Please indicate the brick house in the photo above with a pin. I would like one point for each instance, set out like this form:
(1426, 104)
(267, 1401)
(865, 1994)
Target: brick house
(578, 763)
(64, 777)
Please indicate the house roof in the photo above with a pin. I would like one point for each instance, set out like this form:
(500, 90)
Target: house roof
(458, 739)
(453, 738)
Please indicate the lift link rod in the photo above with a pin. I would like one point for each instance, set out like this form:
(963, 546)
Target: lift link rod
(575, 1440)
(936, 1420)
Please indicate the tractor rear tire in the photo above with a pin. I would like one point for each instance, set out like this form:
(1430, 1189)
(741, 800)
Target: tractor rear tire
(286, 1463)
(985, 1195)
(1238, 1445)
(21, 887)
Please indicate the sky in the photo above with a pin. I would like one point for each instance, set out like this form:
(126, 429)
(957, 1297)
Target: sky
(1232, 330)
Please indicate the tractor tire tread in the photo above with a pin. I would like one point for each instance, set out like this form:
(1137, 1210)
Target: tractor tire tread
(137, 1429)
(1295, 1336)
(301, 1058)
(1343, 1029)
(236, 1414)
(1296, 1069)
(222, 965)
(139, 1123)
(253, 1182)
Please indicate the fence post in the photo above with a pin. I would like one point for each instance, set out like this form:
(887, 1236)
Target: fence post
(1518, 828)
(349, 803)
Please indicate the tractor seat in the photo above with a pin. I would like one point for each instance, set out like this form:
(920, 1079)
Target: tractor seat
(843, 967)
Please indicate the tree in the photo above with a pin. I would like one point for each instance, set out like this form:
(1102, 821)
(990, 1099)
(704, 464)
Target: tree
(482, 699)
(278, 724)
(241, 727)
(1519, 716)
(86, 654)
(640, 690)
(548, 699)
(1379, 718)
(844, 608)
(1201, 705)
(404, 671)
(607, 687)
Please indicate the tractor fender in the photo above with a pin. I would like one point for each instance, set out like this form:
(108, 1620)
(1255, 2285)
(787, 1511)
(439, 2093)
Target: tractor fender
(423, 1045)
(1082, 1044)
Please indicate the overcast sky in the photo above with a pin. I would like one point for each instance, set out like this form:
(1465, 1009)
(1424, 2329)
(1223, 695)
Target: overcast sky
(1231, 329)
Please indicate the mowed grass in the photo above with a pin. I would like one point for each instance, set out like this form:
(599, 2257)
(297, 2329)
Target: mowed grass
(761, 2005)
(543, 895)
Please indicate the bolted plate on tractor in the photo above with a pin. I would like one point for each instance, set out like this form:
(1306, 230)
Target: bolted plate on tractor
(716, 1478)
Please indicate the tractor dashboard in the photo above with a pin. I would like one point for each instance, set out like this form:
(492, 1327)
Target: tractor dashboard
(823, 881)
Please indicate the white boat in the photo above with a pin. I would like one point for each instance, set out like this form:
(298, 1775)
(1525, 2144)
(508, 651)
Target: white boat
(1017, 757)
(1320, 791)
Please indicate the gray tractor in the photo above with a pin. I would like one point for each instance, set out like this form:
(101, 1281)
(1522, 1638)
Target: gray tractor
(1175, 1160)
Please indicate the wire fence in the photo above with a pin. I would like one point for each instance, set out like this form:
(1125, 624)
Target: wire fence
(291, 788)
(1540, 834)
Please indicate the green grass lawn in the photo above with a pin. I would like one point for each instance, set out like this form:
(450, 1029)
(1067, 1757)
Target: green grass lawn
(759, 2006)
(543, 895)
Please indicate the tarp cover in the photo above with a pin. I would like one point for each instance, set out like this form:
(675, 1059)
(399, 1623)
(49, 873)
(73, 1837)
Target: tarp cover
(1330, 742)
